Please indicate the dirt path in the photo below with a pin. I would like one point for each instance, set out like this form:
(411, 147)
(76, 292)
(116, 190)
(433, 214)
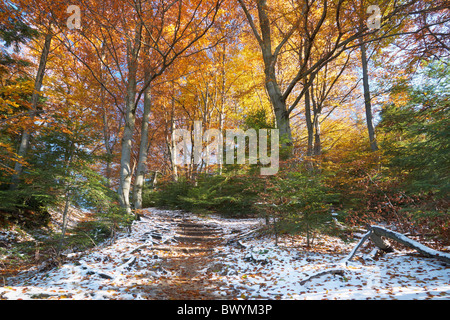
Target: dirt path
(190, 264)
(167, 255)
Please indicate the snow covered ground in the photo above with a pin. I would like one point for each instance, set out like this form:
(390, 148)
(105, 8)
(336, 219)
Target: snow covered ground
(260, 270)
(395, 276)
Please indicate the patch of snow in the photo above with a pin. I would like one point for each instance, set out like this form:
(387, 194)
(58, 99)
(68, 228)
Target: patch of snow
(112, 270)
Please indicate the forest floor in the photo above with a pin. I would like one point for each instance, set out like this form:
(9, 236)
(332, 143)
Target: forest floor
(175, 255)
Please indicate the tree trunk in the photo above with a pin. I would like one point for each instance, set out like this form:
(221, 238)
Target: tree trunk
(143, 152)
(125, 163)
(144, 145)
(26, 135)
(317, 142)
(221, 126)
(367, 102)
(155, 179)
(279, 106)
(309, 125)
(270, 58)
(317, 109)
(127, 138)
(130, 119)
(173, 143)
(68, 194)
(106, 136)
(222, 103)
(65, 221)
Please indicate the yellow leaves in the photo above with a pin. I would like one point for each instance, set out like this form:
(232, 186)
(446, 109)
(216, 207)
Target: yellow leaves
(6, 146)
(7, 157)
(66, 131)
(15, 89)
(5, 105)
(170, 30)
(14, 96)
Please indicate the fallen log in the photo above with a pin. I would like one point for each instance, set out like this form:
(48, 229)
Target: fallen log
(401, 238)
(375, 233)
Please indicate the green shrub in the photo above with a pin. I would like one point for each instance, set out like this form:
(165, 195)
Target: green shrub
(299, 202)
(228, 195)
(168, 195)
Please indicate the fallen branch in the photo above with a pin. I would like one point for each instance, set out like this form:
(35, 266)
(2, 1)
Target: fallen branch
(334, 272)
(376, 233)
(352, 253)
(243, 236)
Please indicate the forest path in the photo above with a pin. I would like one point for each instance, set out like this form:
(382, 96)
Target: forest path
(167, 255)
(189, 263)
(174, 255)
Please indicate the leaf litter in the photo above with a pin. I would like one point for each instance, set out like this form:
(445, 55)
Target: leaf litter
(151, 262)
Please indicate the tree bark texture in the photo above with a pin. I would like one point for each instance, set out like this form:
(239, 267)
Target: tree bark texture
(367, 99)
(143, 152)
(26, 135)
(130, 119)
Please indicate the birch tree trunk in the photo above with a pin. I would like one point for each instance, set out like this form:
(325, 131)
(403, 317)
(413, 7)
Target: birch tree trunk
(26, 135)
